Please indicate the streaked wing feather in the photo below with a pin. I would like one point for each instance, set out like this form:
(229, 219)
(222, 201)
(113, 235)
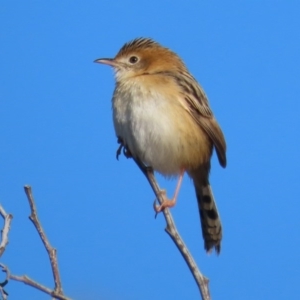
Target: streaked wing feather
(199, 108)
(212, 128)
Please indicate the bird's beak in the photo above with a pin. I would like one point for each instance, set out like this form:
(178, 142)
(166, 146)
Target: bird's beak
(106, 61)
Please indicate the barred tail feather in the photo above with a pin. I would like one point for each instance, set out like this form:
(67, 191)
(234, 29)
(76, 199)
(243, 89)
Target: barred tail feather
(209, 217)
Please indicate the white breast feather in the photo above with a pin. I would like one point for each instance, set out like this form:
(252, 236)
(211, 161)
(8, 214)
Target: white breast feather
(145, 124)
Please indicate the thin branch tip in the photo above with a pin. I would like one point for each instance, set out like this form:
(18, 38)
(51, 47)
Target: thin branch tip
(201, 280)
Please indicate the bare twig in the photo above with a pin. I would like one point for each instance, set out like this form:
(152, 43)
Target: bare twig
(200, 279)
(4, 294)
(2, 291)
(7, 221)
(57, 293)
(4, 242)
(51, 251)
(25, 279)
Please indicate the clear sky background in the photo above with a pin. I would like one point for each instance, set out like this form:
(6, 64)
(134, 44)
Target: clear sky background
(57, 135)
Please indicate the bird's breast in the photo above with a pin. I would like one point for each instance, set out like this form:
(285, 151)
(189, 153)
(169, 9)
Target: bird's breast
(157, 129)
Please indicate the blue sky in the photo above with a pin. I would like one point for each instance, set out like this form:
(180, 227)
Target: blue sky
(57, 135)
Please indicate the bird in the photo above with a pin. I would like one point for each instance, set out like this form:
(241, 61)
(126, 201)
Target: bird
(162, 117)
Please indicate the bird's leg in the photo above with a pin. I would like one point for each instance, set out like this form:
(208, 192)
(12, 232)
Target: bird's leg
(149, 169)
(126, 151)
(169, 202)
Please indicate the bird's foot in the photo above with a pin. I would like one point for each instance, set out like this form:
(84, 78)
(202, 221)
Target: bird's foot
(123, 147)
(167, 203)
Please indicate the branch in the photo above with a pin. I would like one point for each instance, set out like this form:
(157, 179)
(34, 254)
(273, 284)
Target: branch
(57, 293)
(4, 242)
(7, 221)
(51, 251)
(200, 279)
(25, 279)
(4, 294)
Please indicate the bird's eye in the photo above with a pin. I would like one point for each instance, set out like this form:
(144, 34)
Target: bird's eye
(133, 59)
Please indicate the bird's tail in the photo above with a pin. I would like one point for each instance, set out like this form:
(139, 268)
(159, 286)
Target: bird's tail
(209, 216)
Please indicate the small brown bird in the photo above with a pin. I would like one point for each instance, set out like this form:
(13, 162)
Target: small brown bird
(163, 118)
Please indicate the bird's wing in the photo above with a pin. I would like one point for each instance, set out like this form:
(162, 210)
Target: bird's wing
(199, 109)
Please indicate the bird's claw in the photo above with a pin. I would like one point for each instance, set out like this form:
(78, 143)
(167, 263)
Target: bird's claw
(126, 151)
(165, 203)
(119, 151)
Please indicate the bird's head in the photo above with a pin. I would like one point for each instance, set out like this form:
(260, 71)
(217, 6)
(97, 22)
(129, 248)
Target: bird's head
(142, 56)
